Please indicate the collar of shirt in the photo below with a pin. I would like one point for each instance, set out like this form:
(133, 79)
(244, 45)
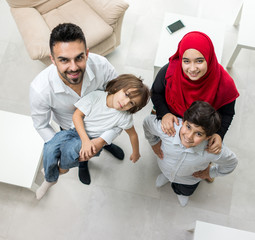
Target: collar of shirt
(87, 79)
(199, 149)
(59, 86)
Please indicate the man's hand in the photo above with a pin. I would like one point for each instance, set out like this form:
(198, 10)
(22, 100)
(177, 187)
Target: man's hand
(157, 150)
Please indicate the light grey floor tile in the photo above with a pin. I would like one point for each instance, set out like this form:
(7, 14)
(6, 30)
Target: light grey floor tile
(9, 199)
(58, 214)
(118, 215)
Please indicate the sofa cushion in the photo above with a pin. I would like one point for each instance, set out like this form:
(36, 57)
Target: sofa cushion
(25, 3)
(109, 10)
(49, 5)
(34, 31)
(80, 13)
(105, 47)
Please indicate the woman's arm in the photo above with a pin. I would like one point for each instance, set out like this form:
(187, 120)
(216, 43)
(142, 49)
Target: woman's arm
(158, 93)
(227, 113)
(135, 144)
(159, 100)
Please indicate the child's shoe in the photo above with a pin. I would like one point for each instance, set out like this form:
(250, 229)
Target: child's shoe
(183, 200)
(161, 180)
(41, 191)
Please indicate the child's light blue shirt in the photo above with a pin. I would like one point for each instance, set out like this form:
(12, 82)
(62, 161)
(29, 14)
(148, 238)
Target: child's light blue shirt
(179, 162)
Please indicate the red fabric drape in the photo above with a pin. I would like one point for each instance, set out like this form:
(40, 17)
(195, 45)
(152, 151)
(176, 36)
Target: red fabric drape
(215, 87)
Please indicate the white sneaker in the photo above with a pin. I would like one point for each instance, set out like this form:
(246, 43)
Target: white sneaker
(41, 191)
(183, 200)
(161, 180)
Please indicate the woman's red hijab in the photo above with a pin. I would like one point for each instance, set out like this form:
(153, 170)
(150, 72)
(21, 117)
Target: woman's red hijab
(215, 87)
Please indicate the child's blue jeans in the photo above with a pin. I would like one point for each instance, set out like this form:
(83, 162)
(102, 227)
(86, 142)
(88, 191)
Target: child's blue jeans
(63, 151)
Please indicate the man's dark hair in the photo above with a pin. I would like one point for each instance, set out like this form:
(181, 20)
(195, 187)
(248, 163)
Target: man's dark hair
(66, 32)
(204, 115)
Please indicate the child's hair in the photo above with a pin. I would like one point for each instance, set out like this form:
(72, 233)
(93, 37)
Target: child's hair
(127, 81)
(204, 115)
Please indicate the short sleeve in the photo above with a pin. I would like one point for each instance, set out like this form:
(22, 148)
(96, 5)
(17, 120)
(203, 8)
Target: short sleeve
(128, 122)
(85, 104)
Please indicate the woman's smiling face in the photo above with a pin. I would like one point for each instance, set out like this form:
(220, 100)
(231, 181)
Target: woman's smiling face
(194, 64)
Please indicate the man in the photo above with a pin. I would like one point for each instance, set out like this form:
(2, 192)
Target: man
(73, 74)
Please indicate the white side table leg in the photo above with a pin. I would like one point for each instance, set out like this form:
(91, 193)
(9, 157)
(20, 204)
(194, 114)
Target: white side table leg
(238, 17)
(156, 70)
(34, 187)
(191, 227)
(233, 56)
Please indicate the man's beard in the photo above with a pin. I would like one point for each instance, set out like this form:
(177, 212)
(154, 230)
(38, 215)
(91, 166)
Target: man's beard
(73, 81)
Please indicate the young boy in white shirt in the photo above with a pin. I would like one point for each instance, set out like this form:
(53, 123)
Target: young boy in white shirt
(184, 160)
(96, 113)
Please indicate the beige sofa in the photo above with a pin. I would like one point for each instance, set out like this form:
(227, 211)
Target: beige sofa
(100, 20)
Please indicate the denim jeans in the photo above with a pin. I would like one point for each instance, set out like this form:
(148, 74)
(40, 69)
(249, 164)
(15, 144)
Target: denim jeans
(63, 151)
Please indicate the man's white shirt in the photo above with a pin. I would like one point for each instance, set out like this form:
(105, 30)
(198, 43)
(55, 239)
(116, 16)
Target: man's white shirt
(50, 97)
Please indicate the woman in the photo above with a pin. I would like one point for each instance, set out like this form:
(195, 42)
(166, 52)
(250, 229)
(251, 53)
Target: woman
(193, 73)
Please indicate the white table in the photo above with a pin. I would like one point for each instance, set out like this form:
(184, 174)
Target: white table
(168, 43)
(246, 32)
(21, 148)
(210, 231)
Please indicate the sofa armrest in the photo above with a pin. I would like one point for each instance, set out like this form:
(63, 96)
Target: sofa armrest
(109, 10)
(34, 31)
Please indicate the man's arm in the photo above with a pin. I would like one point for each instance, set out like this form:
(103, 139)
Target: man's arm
(41, 115)
(135, 144)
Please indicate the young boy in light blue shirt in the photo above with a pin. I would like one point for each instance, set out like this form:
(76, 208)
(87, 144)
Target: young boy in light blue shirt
(184, 159)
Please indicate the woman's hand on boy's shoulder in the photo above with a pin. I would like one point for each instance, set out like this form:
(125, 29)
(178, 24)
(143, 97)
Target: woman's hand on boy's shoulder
(167, 124)
(214, 144)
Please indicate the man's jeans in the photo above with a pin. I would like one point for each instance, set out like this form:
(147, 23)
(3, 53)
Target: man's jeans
(63, 151)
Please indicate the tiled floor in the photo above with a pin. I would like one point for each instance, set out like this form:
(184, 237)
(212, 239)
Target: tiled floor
(122, 202)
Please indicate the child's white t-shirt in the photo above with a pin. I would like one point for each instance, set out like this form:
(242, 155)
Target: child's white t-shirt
(100, 118)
